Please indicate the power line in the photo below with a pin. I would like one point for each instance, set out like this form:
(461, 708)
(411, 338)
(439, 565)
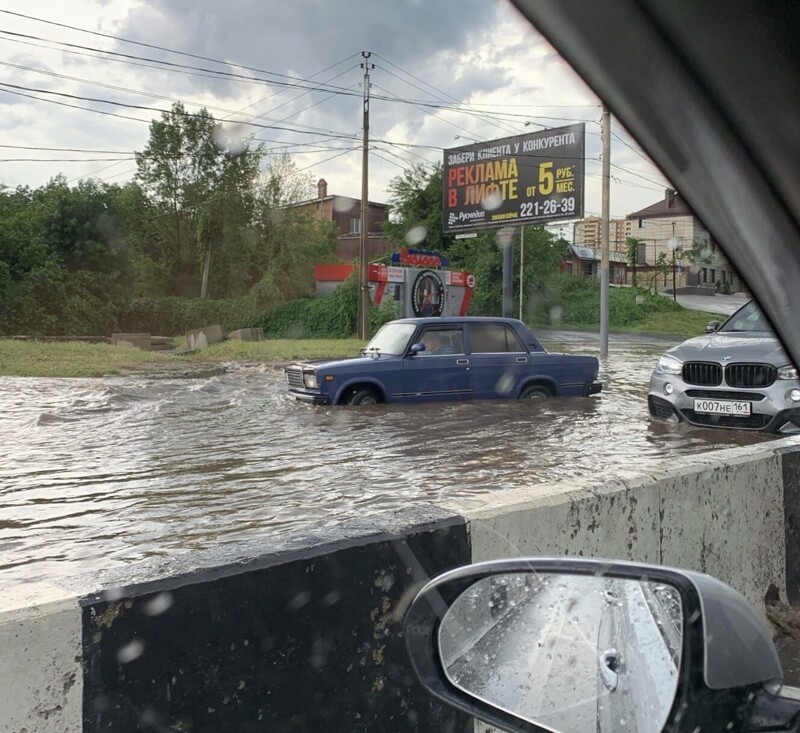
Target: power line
(297, 83)
(322, 71)
(186, 114)
(149, 45)
(64, 150)
(105, 85)
(320, 162)
(386, 160)
(428, 112)
(62, 160)
(483, 116)
(11, 87)
(321, 87)
(188, 71)
(308, 91)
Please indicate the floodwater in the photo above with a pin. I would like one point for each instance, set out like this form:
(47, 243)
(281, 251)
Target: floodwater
(103, 472)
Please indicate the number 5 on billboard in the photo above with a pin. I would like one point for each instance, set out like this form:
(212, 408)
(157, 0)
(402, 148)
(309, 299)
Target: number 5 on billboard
(546, 180)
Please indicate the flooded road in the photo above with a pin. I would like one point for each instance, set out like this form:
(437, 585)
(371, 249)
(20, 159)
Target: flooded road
(103, 472)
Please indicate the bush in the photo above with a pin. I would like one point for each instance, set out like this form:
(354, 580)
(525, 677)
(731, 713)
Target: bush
(172, 316)
(335, 316)
(54, 302)
(570, 301)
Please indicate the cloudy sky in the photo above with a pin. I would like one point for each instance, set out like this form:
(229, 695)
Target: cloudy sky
(81, 79)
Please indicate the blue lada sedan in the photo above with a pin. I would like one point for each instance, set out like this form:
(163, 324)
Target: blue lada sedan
(436, 359)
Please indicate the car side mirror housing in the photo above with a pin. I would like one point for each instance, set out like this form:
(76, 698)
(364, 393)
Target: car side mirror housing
(713, 326)
(565, 644)
(416, 348)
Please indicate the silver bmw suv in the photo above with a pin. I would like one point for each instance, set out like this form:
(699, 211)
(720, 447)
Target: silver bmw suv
(736, 376)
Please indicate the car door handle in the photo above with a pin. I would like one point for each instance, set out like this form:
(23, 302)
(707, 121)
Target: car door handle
(522, 360)
(462, 362)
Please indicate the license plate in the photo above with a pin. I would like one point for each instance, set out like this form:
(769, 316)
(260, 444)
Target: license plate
(722, 407)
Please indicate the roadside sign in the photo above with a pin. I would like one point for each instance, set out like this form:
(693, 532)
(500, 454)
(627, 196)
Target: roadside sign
(526, 179)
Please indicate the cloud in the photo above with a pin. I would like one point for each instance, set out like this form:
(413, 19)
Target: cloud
(489, 69)
(309, 35)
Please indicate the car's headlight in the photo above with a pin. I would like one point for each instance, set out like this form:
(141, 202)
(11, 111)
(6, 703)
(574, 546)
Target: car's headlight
(310, 380)
(787, 372)
(669, 365)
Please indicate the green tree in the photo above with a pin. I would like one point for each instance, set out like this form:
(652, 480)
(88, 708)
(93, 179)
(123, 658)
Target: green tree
(662, 266)
(65, 259)
(291, 239)
(632, 252)
(699, 253)
(203, 195)
(415, 198)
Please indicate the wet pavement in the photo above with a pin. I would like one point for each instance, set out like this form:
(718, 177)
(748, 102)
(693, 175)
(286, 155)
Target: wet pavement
(723, 305)
(104, 472)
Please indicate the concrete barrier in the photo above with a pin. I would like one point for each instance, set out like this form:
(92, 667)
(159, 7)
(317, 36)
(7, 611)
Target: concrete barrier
(143, 341)
(721, 513)
(247, 334)
(305, 633)
(41, 677)
(202, 338)
(304, 636)
(137, 340)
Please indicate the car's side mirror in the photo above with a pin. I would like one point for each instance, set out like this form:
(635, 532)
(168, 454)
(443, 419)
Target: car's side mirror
(416, 348)
(568, 644)
(713, 326)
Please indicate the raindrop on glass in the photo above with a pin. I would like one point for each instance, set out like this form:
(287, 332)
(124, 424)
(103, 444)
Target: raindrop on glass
(230, 138)
(158, 604)
(132, 650)
(416, 235)
(492, 200)
(342, 204)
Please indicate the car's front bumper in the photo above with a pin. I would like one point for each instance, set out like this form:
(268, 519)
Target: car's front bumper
(770, 408)
(313, 398)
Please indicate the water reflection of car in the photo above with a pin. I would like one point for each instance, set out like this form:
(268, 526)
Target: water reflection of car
(737, 376)
(475, 358)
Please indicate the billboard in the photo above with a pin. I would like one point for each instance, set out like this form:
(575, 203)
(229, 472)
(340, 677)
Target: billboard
(526, 179)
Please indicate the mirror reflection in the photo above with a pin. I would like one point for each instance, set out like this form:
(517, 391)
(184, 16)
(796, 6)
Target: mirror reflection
(574, 653)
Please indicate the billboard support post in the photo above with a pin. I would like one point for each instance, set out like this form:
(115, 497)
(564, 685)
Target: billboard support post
(506, 239)
(521, 267)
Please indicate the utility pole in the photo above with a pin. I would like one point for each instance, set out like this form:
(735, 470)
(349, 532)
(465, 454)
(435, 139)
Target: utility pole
(604, 256)
(363, 280)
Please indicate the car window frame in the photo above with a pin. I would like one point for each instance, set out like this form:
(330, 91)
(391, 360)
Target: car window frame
(507, 327)
(434, 327)
(757, 310)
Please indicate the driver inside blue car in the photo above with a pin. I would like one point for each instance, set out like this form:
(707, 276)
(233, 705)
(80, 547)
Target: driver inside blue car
(433, 345)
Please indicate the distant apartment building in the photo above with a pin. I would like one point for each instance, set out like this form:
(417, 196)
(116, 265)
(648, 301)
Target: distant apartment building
(587, 233)
(345, 212)
(670, 225)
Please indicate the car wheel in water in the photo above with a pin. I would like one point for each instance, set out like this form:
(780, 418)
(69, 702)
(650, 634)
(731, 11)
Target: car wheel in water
(535, 392)
(363, 397)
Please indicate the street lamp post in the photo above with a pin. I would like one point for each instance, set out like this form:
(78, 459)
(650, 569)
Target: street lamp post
(674, 281)
(674, 247)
